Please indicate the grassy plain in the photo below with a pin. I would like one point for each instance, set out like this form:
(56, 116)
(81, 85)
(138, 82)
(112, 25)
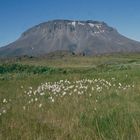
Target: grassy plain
(70, 98)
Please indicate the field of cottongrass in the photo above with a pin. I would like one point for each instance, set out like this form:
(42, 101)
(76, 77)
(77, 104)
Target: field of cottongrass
(98, 102)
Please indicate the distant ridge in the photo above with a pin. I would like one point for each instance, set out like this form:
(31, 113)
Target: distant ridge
(78, 37)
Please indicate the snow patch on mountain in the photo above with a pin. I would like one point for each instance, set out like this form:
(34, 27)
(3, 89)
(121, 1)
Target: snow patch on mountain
(91, 25)
(80, 23)
(73, 23)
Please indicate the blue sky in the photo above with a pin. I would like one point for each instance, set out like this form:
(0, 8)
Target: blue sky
(17, 16)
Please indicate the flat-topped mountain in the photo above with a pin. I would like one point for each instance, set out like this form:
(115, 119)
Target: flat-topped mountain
(78, 37)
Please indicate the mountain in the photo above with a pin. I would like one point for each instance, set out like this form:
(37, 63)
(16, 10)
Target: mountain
(79, 37)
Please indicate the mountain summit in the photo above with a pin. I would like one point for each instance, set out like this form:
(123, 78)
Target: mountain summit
(80, 37)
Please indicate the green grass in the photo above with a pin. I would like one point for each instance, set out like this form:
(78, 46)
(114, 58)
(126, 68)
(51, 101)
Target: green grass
(110, 114)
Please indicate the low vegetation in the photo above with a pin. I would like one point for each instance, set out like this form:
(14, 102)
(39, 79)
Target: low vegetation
(72, 98)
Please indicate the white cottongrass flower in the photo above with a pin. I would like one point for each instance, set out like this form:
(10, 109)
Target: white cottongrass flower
(30, 88)
(79, 93)
(4, 111)
(32, 100)
(133, 86)
(92, 88)
(35, 92)
(42, 93)
(113, 79)
(75, 90)
(64, 93)
(120, 84)
(52, 100)
(65, 87)
(24, 107)
(4, 101)
(40, 105)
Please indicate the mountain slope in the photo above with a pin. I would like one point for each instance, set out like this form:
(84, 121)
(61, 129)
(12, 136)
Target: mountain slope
(80, 37)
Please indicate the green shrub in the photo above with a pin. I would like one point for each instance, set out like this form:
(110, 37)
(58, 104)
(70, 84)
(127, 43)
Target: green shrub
(17, 68)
